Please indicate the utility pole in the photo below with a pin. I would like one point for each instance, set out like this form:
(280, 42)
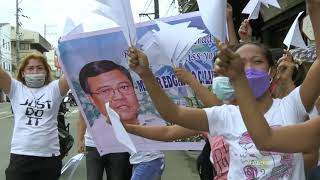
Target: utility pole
(17, 32)
(49, 30)
(1, 57)
(45, 31)
(156, 9)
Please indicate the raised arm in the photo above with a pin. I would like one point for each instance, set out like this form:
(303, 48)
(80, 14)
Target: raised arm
(161, 133)
(81, 130)
(191, 118)
(63, 85)
(295, 138)
(203, 93)
(283, 80)
(310, 88)
(233, 40)
(245, 31)
(5, 81)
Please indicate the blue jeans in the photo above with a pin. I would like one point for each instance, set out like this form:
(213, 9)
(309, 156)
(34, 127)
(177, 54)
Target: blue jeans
(151, 170)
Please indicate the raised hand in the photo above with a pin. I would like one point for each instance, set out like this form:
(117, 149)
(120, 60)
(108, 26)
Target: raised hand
(229, 63)
(245, 31)
(184, 75)
(229, 11)
(138, 61)
(81, 146)
(286, 67)
(283, 84)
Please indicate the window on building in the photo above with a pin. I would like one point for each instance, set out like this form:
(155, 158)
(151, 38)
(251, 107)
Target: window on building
(3, 43)
(24, 46)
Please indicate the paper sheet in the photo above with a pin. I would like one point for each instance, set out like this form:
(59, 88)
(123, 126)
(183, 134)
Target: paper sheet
(120, 12)
(119, 131)
(213, 14)
(181, 39)
(294, 36)
(253, 9)
(72, 165)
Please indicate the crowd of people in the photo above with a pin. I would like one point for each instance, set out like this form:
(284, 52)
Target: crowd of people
(260, 121)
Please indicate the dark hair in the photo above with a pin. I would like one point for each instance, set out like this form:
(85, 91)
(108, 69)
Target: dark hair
(264, 49)
(300, 73)
(204, 166)
(96, 68)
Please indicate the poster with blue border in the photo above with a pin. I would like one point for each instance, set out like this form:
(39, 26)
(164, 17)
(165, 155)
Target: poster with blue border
(84, 59)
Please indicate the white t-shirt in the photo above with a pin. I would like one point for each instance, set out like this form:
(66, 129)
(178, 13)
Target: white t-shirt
(102, 137)
(35, 111)
(140, 156)
(88, 139)
(146, 156)
(246, 162)
(314, 113)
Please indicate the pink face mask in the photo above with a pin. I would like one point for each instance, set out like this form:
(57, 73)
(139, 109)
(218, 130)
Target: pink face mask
(259, 81)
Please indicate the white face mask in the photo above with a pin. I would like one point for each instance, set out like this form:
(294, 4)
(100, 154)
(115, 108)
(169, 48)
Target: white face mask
(35, 80)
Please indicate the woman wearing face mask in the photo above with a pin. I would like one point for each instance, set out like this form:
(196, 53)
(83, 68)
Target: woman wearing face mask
(246, 161)
(222, 92)
(35, 101)
(289, 76)
(293, 138)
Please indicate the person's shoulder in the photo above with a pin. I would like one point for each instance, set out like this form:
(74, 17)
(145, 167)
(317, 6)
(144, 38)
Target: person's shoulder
(293, 96)
(54, 83)
(295, 92)
(224, 107)
(16, 87)
(15, 82)
(222, 112)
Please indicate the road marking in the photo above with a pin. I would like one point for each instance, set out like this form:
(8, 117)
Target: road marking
(6, 117)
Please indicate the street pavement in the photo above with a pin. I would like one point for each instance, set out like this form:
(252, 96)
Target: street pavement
(179, 164)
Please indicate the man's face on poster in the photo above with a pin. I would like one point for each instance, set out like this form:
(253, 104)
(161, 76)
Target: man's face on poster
(116, 88)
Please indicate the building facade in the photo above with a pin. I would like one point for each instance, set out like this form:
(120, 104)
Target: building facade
(272, 25)
(5, 52)
(53, 62)
(30, 42)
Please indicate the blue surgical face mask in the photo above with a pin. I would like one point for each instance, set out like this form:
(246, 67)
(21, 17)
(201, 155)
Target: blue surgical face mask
(222, 88)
